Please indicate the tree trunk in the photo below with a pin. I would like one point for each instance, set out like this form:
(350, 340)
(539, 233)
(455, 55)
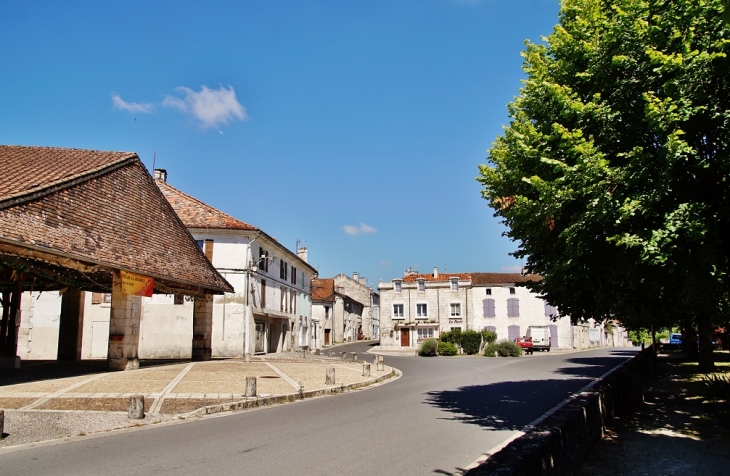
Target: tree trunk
(705, 358)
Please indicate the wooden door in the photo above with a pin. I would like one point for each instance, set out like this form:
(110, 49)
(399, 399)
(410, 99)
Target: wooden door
(405, 337)
(327, 337)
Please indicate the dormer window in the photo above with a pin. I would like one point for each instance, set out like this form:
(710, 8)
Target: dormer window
(512, 290)
(421, 285)
(397, 286)
(454, 284)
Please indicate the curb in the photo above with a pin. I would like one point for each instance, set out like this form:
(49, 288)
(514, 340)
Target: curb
(291, 397)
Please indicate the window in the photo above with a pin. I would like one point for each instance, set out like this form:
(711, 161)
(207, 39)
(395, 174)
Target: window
(208, 250)
(421, 285)
(455, 309)
(422, 310)
(397, 286)
(424, 333)
(263, 260)
(293, 275)
(283, 270)
(512, 290)
(488, 308)
(489, 291)
(96, 298)
(454, 284)
(513, 307)
(263, 293)
(397, 310)
(200, 243)
(293, 302)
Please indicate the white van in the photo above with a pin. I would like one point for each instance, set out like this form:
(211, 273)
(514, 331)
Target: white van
(540, 337)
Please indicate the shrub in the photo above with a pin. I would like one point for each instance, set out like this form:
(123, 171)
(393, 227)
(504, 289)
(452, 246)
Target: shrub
(717, 387)
(503, 349)
(447, 348)
(489, 336)
(453, 336)
(470, 342)
(428, 348)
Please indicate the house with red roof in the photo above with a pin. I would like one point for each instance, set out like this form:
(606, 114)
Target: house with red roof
(419, 306)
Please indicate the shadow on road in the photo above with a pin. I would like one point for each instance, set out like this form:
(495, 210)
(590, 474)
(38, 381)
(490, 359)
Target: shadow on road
(503, 405)
(593, 367)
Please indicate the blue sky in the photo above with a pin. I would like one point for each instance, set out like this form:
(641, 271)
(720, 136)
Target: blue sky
(355, 126)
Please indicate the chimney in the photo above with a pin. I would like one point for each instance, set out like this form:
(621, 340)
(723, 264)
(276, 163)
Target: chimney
(435, 272)
(363, 281)
(302, 253)
(355, 276)
(161, 175)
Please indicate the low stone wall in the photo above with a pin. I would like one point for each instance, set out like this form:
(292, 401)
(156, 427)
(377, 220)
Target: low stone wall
(558, 444)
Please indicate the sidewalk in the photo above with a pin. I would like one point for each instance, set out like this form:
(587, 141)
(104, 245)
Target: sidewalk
(39, 407)
(678, 431)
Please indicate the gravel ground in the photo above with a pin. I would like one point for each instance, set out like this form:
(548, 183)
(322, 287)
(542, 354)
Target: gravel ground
(677, 432)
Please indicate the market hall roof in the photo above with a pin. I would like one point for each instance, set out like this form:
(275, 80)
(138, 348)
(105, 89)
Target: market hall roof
(71, 216)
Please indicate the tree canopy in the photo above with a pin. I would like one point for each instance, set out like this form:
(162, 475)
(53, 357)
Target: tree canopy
(613, 173)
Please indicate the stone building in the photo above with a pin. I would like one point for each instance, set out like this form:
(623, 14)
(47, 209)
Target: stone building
(418, 306)
(344, 309)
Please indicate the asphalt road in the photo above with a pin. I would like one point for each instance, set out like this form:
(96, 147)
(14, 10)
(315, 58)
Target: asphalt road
(436, 419)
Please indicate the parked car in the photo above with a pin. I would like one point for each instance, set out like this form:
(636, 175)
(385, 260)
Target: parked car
(525, 344)
(541, 339)
(675, 338)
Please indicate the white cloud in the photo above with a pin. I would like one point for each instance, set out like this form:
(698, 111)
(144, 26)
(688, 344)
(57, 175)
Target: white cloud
(211, 107)
(357, 229)
(120, 103)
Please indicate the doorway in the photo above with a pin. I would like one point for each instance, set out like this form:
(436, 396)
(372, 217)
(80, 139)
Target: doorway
(327, 337)
(260, 337)
(405, 337)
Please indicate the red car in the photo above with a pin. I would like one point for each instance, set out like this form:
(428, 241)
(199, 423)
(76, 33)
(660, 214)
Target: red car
(525, 344)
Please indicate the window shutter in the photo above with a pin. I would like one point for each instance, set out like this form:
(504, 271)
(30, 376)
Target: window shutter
(491, 329)
(513, 332)
(513, 307)
(489, 309)
(95, 298)
(209, 250)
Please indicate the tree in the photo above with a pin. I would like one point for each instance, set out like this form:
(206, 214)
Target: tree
(613, 173)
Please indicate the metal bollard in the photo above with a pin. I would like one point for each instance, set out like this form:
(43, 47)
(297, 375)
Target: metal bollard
(330, 378)
(365, 370)
(136, 407)
(250, 386)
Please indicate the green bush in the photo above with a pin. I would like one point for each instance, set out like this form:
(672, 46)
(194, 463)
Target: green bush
(428, 348)
(717, 387)
(470, 342)
(489, 336)
(453, 336)
(447, 348)
(503, 349)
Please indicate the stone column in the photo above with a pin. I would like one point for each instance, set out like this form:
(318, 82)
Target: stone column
(71, 325)
(126, 312)
(203, 327)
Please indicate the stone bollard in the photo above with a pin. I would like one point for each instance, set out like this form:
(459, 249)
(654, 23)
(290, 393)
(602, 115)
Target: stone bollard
(302, 354)
(2, 424)
(381, 365)
(330, 353)
(354, 356)
(375, 360)
(248, 357)
(365, 370)
(330, 379)
(136, 407)
(344, 356)
(250, 386)
(316, 351)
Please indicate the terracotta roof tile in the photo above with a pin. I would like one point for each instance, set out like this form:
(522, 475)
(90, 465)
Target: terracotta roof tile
(323, 290)
(412, 278)
(475, 278)
(116, 217)
(196, 214)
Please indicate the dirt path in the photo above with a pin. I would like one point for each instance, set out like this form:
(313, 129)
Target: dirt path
(679, 431)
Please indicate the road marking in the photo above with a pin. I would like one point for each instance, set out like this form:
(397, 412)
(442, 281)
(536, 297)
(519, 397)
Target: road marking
(284, 376)
(155, 408)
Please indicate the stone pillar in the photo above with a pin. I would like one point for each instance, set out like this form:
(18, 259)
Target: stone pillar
(203, 327)
(250, 386)
(344, 356)
(136, 407)
(126, 312)
(71, 326)
(330, 377)
(9, 358)
(365, 370)
(354, 356)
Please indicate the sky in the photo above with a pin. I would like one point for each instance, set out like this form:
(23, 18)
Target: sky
(354, 128)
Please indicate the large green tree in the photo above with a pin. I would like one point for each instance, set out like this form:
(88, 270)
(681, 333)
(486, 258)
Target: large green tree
(613, 173)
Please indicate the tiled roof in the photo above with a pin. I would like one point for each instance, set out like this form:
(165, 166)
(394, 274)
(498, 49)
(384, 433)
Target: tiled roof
(475, 278)
(115, 217)
(323, 290)
(412, 278)
(29, 169)
(196, 214)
